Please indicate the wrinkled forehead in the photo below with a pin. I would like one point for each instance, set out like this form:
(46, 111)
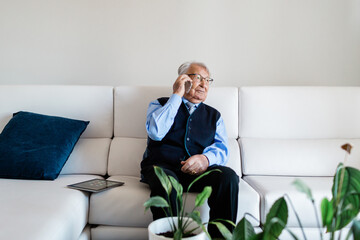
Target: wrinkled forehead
(198, 69)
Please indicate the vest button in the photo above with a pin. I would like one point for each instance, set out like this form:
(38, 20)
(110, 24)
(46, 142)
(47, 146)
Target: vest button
(188, 139)
(190, 120)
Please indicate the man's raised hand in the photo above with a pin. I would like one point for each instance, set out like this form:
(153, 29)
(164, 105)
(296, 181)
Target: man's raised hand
(179, 84)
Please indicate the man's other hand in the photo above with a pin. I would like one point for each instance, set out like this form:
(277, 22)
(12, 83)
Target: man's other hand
(179, 84)
(195, 165)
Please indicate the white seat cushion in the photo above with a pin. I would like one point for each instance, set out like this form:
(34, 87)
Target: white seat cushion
(118, 233)
(124, 206)
(43, 210)
(121, 206)
(271, 188)
(110, 207)
(311, 233)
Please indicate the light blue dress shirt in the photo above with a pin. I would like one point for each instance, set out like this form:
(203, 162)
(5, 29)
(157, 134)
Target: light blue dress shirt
(159, 120)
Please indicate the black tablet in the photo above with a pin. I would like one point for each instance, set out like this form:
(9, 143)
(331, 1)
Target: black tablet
(95, 185)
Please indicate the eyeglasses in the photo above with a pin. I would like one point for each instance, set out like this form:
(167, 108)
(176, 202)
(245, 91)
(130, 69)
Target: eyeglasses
(198, 78)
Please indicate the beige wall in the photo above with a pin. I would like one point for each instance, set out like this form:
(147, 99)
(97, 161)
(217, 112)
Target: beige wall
(142, 42)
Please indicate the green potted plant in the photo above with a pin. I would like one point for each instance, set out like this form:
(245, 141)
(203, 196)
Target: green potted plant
(336, 213)
(183, 225)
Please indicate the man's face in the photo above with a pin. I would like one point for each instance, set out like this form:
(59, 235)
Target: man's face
(199, 89)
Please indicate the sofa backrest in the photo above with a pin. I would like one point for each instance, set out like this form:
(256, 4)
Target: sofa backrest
(298, 130)
(91, 103)
(130, 106)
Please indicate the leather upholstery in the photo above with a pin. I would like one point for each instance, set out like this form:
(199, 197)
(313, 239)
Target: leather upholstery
(48, 209)
(276, 134)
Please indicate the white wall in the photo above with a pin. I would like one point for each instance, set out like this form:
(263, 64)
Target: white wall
(142, 42)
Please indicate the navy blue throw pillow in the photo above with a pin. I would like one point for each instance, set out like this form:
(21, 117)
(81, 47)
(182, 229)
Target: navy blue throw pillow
(36, 146)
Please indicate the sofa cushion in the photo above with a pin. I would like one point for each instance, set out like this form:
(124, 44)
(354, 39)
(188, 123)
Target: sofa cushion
(92, 103)
(90, 156)
(108, 208)
(118, 233)
(299, 112)
(271, 188)
(296, 157)
(126, 154)
(130, 106)
(121, 206)
(130, 121)
(43, 210)
(36, 146)
(298, 131)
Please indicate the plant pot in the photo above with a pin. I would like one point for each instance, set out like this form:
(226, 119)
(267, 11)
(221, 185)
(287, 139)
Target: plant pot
(163, 225)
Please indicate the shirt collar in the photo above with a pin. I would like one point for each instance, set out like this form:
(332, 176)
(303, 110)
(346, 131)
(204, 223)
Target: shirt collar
(185, 101)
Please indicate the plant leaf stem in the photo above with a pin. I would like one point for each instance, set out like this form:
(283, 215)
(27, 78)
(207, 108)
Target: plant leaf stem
(171, 214)
(171, 225)
(348, 235)
(297, 216)
(317, 219)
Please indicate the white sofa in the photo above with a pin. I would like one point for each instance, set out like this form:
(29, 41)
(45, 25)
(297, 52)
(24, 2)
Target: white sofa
(296, 132)
(275, 134)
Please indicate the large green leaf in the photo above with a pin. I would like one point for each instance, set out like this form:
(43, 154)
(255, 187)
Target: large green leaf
(243, 230)
(259, 236)
(302, 187)
(348, 179)
(327, 212)
(163, 178)
(177, 186)
(156, 201)
(195, 215)
(203, 196)
(179, 190)
(223, 230)
(276, 219)
(356, 230)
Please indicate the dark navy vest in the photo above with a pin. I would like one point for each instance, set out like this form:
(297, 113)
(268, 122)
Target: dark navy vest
(189, 135)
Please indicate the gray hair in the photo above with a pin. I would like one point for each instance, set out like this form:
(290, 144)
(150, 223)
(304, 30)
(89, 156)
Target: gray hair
(185, 66)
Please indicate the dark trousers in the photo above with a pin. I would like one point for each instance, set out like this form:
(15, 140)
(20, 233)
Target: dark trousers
(222, 202)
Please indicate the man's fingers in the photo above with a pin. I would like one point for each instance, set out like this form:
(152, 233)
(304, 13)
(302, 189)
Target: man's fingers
(179, 85)
(187, 166)
(191, 166)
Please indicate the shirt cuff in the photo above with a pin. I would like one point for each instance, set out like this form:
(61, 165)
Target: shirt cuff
(211, 158)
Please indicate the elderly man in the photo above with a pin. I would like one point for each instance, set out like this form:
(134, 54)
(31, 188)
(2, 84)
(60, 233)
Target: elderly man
(187, 138)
